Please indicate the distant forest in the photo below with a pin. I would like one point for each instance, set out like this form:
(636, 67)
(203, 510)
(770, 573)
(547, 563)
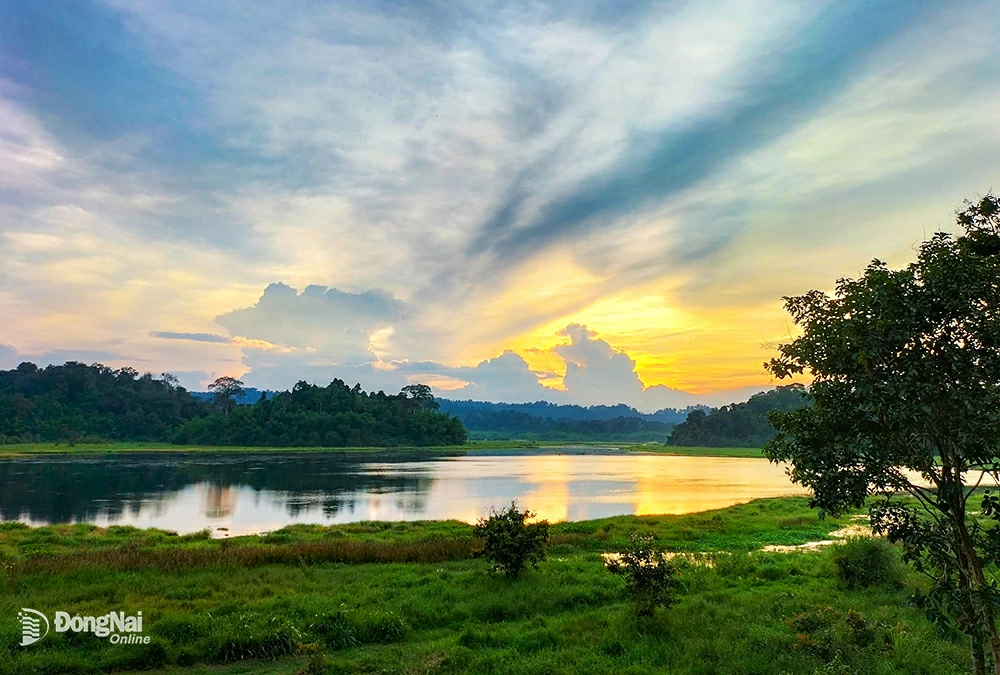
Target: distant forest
(79, 403)
(542, 420)
(739, 425)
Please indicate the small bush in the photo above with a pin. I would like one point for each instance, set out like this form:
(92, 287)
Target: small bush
(510, 542)
(335, 630)
(863, 562)
(649, 578)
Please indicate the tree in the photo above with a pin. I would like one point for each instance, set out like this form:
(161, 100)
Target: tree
(649, 577)
(421, 395)
(905, 401)
(510, 542)
(170, 380)
(226, 390)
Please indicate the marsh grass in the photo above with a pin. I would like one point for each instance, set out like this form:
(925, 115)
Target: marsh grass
(749, 613)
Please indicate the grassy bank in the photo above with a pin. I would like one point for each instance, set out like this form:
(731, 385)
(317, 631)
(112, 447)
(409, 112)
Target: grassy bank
(28, 449)
(700, 452)
(25, 449)
(407, 597)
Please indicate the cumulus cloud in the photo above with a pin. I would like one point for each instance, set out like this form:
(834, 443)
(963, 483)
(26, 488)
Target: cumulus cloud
(504, 378)
(595, 371)
(331, 326)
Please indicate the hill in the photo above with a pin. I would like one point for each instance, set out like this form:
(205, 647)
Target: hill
(739, 424)
(542, 420)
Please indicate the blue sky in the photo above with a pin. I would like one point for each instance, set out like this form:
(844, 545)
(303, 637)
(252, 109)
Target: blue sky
(585, 201)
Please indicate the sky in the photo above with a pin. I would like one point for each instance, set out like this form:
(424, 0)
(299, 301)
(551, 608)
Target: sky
(584, 202)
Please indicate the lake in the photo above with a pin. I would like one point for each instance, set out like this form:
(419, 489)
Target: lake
(248, 493)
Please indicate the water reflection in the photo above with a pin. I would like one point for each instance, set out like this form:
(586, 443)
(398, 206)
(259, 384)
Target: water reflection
(249, 493)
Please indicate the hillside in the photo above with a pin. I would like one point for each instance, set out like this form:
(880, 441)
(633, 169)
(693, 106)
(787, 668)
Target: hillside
(739, 424)
(542, 420)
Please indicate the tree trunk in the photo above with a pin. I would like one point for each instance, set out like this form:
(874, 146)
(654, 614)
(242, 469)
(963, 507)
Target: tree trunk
(976, 581)
(978, 657)
(985, 607)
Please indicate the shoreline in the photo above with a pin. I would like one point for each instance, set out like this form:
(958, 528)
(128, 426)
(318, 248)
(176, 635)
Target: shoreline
(26, 450)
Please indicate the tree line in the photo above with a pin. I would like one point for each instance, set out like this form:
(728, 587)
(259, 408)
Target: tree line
(76, 402)
(545, 421)
(513, 424)
(738, 425)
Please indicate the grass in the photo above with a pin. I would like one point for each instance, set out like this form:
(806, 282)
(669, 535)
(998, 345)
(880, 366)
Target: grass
(699, 452)
(26, 449)
(29, 449)
(406, 597)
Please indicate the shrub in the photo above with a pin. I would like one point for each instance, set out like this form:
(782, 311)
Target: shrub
(649, 578)
(863, 562)
(509, 541)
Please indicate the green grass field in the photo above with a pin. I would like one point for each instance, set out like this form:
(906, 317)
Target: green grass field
(408, 598)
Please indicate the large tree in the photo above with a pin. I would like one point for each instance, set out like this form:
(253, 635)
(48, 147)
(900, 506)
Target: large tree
(226, 391)
(905, 412)
(421, 396)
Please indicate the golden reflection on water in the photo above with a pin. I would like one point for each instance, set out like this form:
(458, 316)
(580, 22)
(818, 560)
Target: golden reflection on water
(581, 487)
(250, 495)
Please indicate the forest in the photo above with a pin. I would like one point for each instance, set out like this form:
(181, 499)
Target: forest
(76, 402)
(740, 425)
(546, 421)
(331, 416)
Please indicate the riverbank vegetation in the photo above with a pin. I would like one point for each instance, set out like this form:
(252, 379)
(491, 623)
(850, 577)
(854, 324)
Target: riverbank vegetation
(332, 416)
(78, 403)
(906, 395)
(470, 447)
(739, 424)
(543, 421)
(409, 597)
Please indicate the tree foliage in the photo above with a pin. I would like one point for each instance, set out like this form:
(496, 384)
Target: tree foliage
(739, 425)
(79, 402)
(226, 391)
(906, 400)
(510, 542)
(542, 420)
(651, 580)
(333, 416)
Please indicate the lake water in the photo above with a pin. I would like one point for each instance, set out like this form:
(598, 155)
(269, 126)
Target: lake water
(234, 493)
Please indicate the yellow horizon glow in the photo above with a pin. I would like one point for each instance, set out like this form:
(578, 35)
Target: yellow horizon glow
(696, 350)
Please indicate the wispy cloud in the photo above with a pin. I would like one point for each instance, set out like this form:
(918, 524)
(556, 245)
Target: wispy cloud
(659, 172)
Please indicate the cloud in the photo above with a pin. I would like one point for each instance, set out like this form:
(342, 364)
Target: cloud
(533, 164)
(504, 378)
(8, 356)
(595, 373)
(194, 337)
(335, 327)
(11, 357)
(194, 380)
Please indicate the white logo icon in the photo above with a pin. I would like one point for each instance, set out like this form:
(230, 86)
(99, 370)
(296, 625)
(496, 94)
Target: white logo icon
(31, 626)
